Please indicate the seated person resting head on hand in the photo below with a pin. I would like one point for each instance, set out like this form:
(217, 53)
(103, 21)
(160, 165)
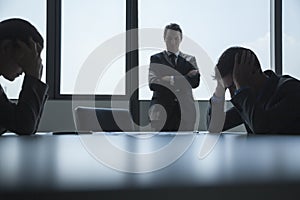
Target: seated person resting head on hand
(266, 103)
(20, 48)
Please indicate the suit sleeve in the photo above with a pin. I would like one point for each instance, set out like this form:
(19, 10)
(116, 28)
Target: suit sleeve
(194, 80)
(154, 78)
(217, 120)
(23, 116)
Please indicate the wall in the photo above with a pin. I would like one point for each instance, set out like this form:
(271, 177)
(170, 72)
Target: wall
(58, 115)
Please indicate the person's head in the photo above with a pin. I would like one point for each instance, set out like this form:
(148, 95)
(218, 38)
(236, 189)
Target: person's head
(225, 65)
(11, 31)
(173, 37)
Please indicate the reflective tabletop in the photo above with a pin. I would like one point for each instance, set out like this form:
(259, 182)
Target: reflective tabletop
(139, 163)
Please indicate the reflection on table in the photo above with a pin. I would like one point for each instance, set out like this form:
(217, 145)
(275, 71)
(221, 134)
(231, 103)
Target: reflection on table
(69, 165)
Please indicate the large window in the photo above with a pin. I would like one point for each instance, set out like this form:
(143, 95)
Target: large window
(35, 12)
(291, 37)
(214, 25)
(87, 26)
(90, 32)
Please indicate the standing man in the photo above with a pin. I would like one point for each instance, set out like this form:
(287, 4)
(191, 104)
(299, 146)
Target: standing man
(172, 75)
(266, 103)
(20, 49)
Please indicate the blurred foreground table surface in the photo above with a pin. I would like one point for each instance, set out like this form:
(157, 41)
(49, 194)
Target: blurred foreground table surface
(149, 166)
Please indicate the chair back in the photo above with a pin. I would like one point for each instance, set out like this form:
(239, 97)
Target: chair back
(103, 119)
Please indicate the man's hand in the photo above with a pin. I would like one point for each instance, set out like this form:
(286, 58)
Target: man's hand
(192, 73)
(243, 68)
(30, 60)
(166, 79)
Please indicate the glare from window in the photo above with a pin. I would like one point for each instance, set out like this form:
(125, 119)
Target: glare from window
(33, 11)
(86, 25)
(214, 25)
(291, 38)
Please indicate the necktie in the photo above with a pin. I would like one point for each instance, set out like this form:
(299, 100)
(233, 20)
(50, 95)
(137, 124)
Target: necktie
(173, 59)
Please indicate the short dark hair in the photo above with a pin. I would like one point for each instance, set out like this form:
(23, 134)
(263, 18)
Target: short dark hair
(226, 61)
(19, 29)
(174, 27)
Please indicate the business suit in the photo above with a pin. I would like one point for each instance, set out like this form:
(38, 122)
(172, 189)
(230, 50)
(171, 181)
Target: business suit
(274, 110)
(23, 117)
(175, 97)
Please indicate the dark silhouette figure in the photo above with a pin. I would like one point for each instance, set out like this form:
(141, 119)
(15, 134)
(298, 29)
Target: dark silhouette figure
(264, 102)
(172, 75)
(20, 48)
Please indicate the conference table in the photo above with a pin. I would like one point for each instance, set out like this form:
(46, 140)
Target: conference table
(183, 165)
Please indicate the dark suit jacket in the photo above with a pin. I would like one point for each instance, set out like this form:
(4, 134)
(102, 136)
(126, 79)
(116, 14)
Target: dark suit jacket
(275, 110)
(23, 117)
(171, 96)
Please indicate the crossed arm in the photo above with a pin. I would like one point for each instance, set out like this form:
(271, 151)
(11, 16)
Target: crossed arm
(156, 80)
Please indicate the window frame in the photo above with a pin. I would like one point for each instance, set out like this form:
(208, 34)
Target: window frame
(53, 75)
(54, 50)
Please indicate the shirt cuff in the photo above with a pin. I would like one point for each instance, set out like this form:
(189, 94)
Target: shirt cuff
(216, 99)
(236, 92)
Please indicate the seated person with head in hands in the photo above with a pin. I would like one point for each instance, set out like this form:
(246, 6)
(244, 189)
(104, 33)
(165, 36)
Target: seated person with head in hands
(20, 52)
(266, 103)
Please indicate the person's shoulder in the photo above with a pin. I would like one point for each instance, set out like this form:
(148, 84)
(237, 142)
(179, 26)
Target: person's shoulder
(158, 55)
(186, 56)
(289, 84)
(157, 58)
(287, 79)
(283, 83)
(282, 79)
